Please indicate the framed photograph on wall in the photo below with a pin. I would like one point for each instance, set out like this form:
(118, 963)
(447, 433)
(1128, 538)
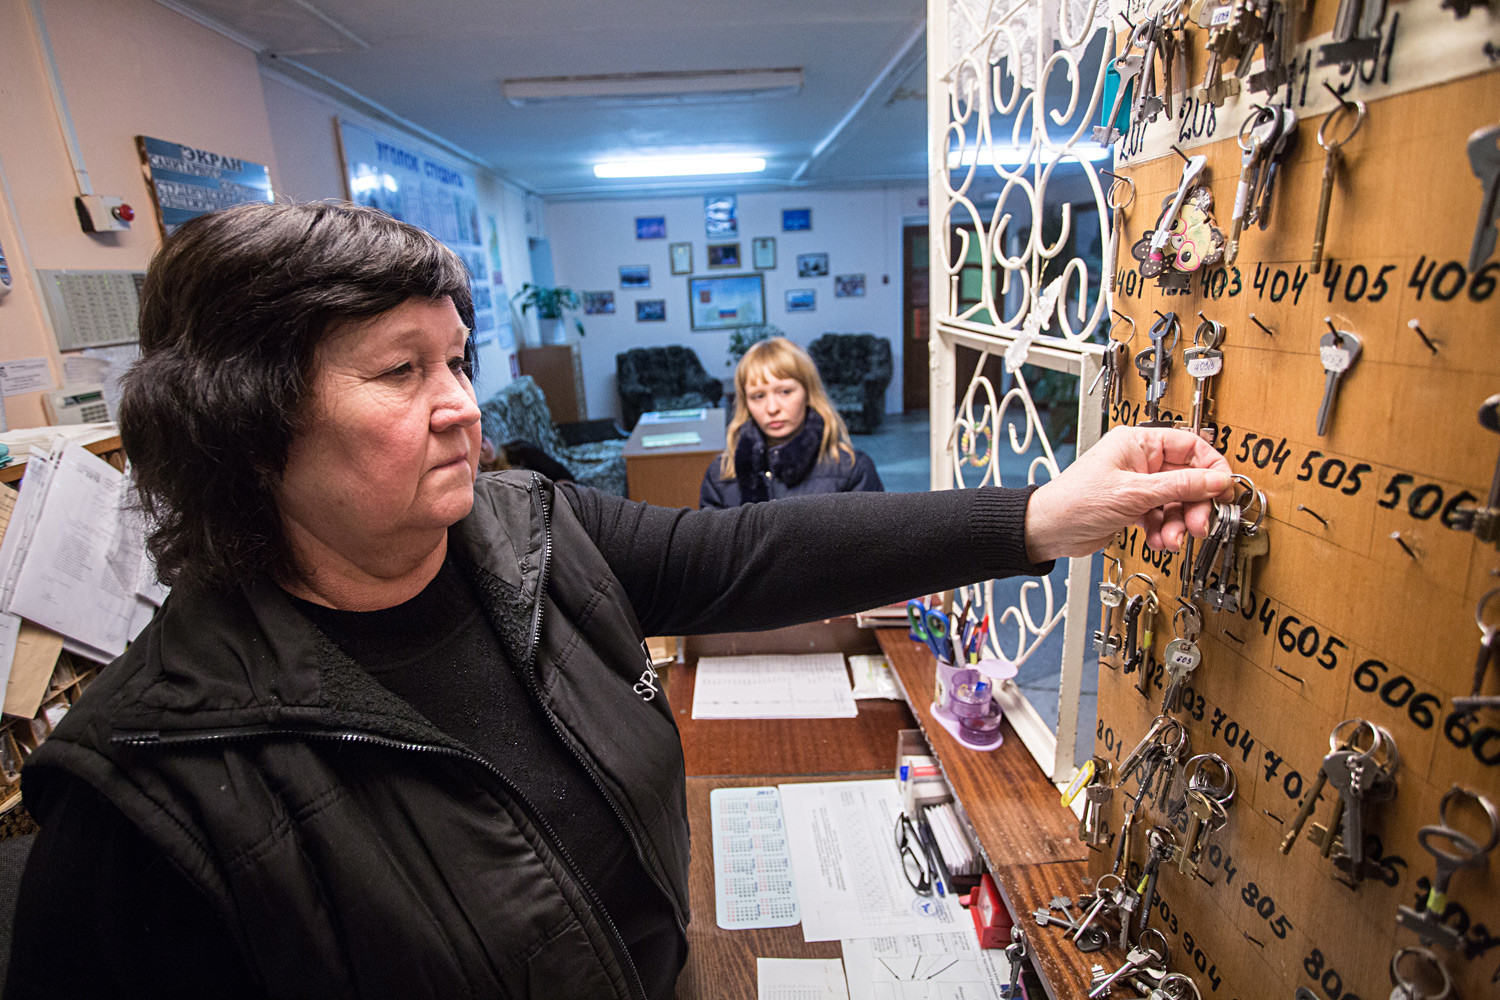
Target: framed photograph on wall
(720, 215)
(723, 255)
(796, 220)
(682, 258)
(801, 300)
(723, 302)
(847, 286)
(651, 227)
(651, 310)
(635, 276)
(763, 252)
(598, 303)
(812, 265)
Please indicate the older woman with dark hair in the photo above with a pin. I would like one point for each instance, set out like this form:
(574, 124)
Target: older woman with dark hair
(394, 733)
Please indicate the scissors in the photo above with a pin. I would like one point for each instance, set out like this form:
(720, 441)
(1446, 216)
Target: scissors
(930, 626)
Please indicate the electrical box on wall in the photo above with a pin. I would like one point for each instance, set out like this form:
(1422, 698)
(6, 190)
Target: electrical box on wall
(103, 214)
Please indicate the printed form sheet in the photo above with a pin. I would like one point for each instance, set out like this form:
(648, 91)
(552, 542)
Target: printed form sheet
(800, 979)
(850, 882)
(810, 686)
(931, 967)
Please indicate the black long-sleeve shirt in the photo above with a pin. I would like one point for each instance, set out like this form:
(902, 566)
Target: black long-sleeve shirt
(94, 877)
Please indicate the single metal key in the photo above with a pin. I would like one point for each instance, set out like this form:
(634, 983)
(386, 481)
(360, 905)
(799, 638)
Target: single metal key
(1201, 810)
(1163, 848)
(1111, 596)
(1181, 658)
(1133, 652)
(1484, 159)
(1330, 167)
(1338, 350)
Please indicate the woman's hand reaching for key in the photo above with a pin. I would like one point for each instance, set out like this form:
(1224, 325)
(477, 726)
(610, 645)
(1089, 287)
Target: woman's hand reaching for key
(1156, 477)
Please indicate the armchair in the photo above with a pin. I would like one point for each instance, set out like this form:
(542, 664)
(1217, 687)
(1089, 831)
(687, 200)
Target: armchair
(519, 411)
(856, 368)
(662, 378)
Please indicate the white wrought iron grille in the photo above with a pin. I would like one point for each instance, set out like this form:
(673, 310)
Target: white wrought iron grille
(1015, 69)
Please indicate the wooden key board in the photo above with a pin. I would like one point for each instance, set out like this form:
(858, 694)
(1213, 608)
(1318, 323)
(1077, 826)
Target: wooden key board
(1344, 618)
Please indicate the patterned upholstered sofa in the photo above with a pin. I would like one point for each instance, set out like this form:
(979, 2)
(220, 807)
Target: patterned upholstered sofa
(856, 368)
(662, 378)
(519, 412)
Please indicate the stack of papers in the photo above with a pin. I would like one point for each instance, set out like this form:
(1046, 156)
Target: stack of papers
(73, 562)
(811, 686)
(959, 856)
(669, 440)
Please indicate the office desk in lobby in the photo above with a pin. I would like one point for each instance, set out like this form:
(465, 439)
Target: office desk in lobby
(670, 477)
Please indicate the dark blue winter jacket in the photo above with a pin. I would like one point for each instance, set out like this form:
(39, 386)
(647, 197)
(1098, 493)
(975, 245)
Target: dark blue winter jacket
(787, 470)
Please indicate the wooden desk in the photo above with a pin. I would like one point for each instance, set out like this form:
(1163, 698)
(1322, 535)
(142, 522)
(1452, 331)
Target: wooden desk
(1028, 838)
(670, 477)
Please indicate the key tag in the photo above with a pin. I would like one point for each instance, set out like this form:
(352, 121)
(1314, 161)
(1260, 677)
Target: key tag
(1196, 240)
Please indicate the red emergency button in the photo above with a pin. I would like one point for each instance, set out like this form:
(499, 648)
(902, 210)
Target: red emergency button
(123, 212)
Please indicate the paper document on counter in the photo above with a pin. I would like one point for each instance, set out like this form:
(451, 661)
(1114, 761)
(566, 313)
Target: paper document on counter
(850, 882)
(800, 979)
(810, 686)
(73, 569)
(931, 967)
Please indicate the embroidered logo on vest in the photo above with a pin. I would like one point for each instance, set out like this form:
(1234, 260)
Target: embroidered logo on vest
(646, 686)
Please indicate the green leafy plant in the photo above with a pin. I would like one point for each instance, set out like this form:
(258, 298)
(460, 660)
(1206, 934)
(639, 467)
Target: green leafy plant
(550, 303)
(742, 338)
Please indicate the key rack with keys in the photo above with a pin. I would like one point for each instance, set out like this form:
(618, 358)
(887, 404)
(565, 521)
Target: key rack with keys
(1348, 399)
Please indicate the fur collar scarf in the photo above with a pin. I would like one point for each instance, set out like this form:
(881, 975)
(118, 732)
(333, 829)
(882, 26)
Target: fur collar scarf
(788, 463)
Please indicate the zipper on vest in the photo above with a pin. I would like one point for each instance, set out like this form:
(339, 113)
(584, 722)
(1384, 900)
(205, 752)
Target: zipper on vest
(535, 685)
(347, 736)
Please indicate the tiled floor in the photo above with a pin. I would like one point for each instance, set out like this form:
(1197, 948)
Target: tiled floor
(899, 449)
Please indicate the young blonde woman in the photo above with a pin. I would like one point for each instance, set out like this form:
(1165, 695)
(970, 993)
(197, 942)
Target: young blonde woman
(785, 438)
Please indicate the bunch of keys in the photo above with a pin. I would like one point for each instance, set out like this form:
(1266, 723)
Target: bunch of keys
(1208, 802)
(1092, 780)
(1484, 160)
(1112, 369)
(1163, 848)
(1087, 939)
(1175, 986)
(1111, 596)
(1103, 897)
(1182, 655)
(1155, 757)
(1429, 969)
(1489, 647)
(1361, 777)
(1427, 922)
(1154, 364)
(1233, 544)
(1149, 957)
(1140, 622)
(1258, 133)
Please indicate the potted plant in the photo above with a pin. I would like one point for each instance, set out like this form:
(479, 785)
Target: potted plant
(742, 338)
(550, 303)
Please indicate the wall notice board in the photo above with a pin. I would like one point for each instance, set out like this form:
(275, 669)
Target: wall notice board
(437, 195)
(1365, 605)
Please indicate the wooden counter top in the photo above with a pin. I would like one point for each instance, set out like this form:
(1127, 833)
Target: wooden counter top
(1029, 839)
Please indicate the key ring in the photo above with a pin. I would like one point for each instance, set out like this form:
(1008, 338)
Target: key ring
(1409, 986)
(1195, 629)
(1150, 583)
(1337, 114)
(1111, 335)
(1109, 196)
(1177, 979)
(1169, 319)
(1257, 501)
(1119, 572)
(1215, 333)
(1489, 810)
(1228, 784)
(1161, 954)
(1335, 744)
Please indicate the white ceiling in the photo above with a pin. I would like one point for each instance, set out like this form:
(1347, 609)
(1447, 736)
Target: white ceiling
(858, 121)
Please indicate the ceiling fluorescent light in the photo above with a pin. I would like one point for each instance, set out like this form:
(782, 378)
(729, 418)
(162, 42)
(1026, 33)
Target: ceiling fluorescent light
(644, 89)
(680, 166)
(1013, 156)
